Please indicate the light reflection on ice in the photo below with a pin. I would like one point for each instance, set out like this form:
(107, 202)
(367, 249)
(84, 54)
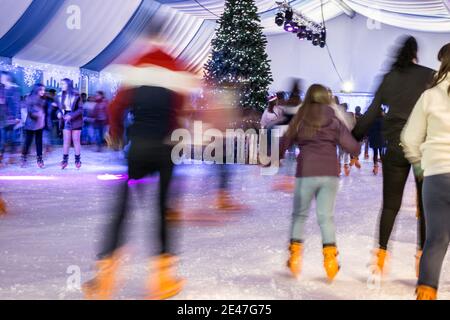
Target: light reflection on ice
(27, 178)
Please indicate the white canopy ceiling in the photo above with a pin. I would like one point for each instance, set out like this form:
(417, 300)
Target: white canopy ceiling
(109, 29)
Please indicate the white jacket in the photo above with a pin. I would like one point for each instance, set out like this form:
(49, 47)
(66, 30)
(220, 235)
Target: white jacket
(426, 137)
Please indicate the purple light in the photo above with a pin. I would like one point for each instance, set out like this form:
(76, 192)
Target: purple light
(117, 177)
(289, 27)
(111, 177)
(26, 178)
(142, 181)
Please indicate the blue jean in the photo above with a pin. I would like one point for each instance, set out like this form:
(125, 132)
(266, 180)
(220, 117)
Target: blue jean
(436, 190)
(324, 190)
(8, 137)
(99, 134)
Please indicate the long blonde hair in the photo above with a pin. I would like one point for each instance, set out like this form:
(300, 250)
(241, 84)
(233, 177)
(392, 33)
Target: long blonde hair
(306, 119)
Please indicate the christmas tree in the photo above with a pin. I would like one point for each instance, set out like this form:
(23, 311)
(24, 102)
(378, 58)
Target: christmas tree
(239, 55)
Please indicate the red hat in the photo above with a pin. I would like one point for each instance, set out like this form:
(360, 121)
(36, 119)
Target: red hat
(161, 59)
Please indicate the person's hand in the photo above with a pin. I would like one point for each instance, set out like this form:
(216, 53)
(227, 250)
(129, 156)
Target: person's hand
(418, 171)
(18, 121)
(59, 116)
(67, 117)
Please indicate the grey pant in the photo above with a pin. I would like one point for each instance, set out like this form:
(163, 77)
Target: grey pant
(436, 197)
(324, 190)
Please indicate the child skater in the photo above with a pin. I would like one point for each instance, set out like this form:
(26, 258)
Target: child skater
(317, 131)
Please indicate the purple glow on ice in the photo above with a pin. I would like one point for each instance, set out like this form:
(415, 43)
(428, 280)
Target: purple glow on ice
(27, 178)
(111, 177)
(142, 181)
(117, 177)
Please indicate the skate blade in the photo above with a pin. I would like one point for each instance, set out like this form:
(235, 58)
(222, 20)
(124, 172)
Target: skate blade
(169, 293)
(96, 295)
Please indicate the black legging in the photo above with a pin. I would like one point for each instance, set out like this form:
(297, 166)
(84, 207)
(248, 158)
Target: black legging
(29, 135)
(141, 163)
(377, 154)
(396, 170)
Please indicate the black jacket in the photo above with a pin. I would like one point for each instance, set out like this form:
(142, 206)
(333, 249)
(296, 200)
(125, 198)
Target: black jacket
(399, 91)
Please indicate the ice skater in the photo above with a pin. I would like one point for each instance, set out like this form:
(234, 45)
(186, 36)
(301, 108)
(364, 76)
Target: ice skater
(35, 124)
(10, 116)
(155, 102)
(341, 112)
(317, 131)
(2, 206)
(400, 89)
(426, 142)
(376, 141)
(70, 115)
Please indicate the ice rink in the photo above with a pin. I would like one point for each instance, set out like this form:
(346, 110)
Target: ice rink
(50, 238)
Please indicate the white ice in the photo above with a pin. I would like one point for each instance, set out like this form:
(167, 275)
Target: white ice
(54, 228)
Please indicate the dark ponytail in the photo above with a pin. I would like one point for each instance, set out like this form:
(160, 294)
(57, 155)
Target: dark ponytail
(406, 54)
(444, 58)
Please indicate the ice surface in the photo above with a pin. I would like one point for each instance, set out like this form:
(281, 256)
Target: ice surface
(54, 228)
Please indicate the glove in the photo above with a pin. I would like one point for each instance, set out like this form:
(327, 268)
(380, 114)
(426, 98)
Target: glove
(418, 171)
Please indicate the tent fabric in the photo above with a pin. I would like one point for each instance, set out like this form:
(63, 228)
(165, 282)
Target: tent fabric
(28, 26)
(37, 30)
(428, 15)
(131, 31)
(62, 43)
(15, 9)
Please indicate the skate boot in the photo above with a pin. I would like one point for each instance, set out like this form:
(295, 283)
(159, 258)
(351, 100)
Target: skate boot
(379, 264)
(78, 162)
(23, 161)
(426, 293)
(285, 184)
(331, 262)
(225, 202)
(355, 162)
(163, 284)
(376, 169)
(65, 161)
(102, 287)
(12, 159)
(2, 207)
(347, 170)
(418, 257)
(40, 162)
(295, 260)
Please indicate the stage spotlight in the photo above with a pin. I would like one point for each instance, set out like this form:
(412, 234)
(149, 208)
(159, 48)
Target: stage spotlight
(279, 19)
(316, 39)
(309, 35)
(323, 38)
(323, 35)
(289, 14)
(302, 33)
(289, 26)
